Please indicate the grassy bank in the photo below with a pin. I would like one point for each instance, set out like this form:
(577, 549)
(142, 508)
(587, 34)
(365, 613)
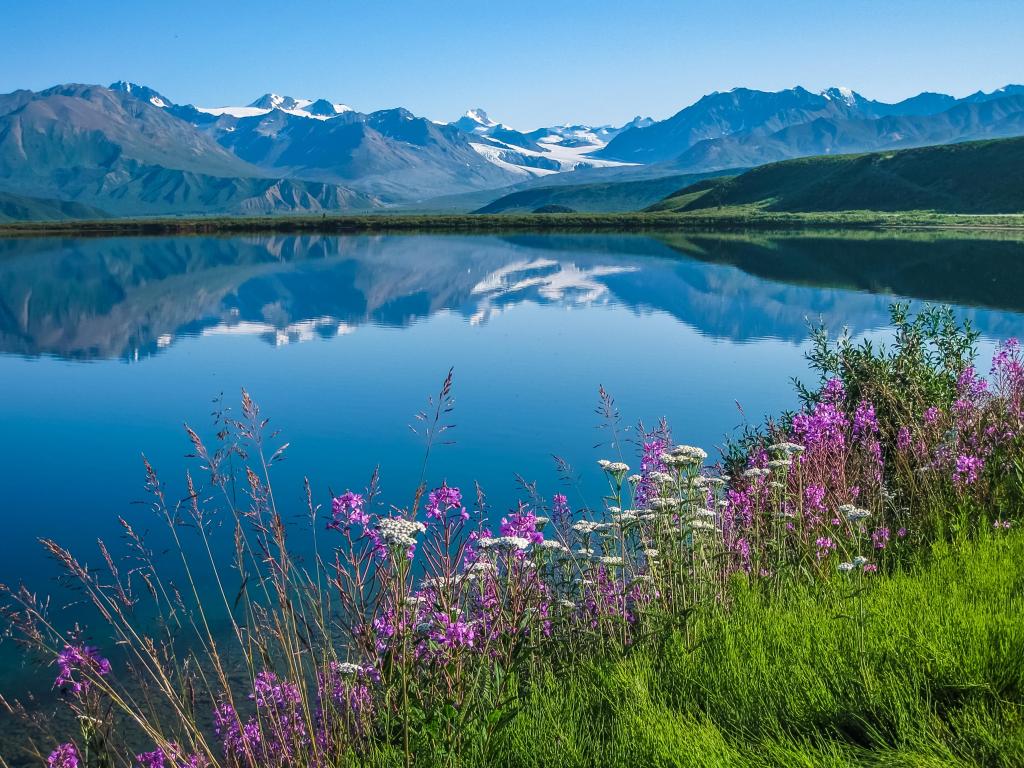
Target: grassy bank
(726, 219)
(924, 668)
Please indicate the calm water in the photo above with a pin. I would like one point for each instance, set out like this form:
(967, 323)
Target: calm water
(108, 346)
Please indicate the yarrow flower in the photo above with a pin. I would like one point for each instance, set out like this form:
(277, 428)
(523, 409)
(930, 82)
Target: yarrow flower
(399, 532)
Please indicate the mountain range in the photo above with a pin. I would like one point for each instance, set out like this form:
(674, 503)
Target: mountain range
(79, 150)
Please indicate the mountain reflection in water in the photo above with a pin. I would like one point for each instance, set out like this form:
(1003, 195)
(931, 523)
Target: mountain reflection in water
(132, 297)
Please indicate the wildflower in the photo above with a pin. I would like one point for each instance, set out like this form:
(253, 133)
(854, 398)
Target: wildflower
(788, 449)
(83, 659)
(679, 460)
(756, 472)
(880, 537)
(854, 513)
(64, 756)
(650, 554)
(634, 479)
(610, 561)
(159, 758)
(399, 532)
(347, 509)
(825, 546)
(697, 455)
(845, 567)
(780, 463)
(443, 500)
(1004, 524)
(552, 544)
(586, 526)
(480, 569)
(348, 668)
(968, 468)
(870, 568)
(614, 467)
(503, 542)
(859, 561)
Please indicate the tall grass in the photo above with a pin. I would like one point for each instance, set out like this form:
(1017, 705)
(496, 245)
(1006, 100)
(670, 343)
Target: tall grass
(840, 588)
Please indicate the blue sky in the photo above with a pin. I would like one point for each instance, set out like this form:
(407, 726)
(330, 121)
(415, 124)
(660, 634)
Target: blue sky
(528, 63)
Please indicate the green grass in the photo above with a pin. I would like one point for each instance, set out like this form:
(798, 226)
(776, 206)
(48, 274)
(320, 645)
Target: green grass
(980, 177)
(732, 219)
(932, 676)
(595, 197)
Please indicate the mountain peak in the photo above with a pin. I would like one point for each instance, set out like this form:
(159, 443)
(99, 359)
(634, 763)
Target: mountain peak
(141, 92)
(478, 115)
(276, 101)
(841, 93)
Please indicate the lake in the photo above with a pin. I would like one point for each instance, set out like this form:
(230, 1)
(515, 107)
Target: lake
(108, 346)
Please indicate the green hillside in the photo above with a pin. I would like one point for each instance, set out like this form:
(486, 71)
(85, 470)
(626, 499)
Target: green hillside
(973, 177)
(598, 197)
(21, 208)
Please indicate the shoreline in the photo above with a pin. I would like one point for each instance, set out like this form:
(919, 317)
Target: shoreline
(497, 223)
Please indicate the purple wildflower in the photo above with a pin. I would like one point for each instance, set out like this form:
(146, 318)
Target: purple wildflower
(443, 500)
(347, 509)
(64, 756)
(82, 659)
(968, 468)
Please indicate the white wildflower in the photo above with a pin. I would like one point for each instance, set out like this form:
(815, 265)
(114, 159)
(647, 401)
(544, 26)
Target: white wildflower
(691, 451)
(552, 544)
(845, 567)
(780, 463)
(702, 525)
(786, 448)
(397, 531)
(614, 467)
(754, 472)
(347, 668)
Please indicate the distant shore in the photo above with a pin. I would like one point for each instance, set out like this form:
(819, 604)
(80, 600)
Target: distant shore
(724, 220)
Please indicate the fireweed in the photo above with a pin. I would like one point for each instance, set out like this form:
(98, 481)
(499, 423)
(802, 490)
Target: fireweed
(409, 628)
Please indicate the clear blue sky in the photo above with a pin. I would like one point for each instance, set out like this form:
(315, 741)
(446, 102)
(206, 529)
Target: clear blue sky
(528, 63)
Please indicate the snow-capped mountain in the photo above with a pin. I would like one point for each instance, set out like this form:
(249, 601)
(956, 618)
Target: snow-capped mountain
(321, 109)
(543, 151)
(128, 149)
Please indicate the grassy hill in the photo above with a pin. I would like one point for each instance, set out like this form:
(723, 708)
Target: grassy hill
(973, 177)
(21, 208)
(596, 197)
